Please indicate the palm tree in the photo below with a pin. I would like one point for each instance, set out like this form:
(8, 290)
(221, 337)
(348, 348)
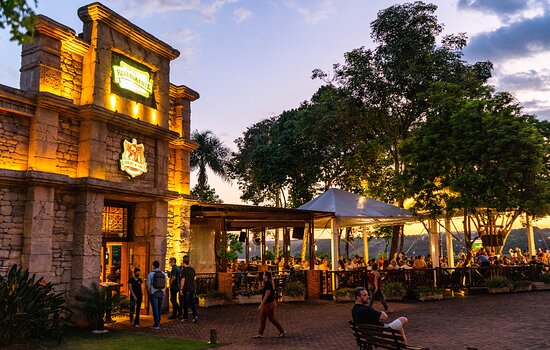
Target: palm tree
(212, 154)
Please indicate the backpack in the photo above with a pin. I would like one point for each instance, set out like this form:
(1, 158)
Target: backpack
(159, 280)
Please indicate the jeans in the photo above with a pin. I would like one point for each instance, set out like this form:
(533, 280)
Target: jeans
(135, 308)
(156, 305)
(189, 300)
(176, 308)
(268, 312)
(378, 293)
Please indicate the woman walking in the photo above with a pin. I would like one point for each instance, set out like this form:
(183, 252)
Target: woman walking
(268, 306)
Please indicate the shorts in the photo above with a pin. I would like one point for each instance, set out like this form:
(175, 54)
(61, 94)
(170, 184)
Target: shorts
(395, 325)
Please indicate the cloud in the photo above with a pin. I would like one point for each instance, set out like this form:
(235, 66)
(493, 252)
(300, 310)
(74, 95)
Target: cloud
(149, 8)
(241, 14)
(312, 16)
(498, 7)
(518, 39)
(184, 40)
(529, 80)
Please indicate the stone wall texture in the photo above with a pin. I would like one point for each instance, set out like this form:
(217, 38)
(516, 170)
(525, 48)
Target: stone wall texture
(67, 148)
(71, 76)
(14, 148)
(62, 240)
(12, 211)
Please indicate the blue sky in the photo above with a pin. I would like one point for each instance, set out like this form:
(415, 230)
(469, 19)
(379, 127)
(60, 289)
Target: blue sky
(252, 59)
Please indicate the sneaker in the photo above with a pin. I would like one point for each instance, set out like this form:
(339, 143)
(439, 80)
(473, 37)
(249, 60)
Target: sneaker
(258, 336)
(184, 320)
(155, 328)
(281, 335)
(136, 325)
(196, 319)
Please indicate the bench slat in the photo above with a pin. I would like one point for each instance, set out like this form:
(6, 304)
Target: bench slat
(381, 337)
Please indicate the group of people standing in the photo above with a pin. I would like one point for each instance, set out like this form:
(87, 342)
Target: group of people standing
(181, 289)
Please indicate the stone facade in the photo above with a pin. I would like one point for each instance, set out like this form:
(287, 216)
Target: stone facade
(61, 138)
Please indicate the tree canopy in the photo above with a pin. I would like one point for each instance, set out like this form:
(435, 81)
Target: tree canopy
(19, 17)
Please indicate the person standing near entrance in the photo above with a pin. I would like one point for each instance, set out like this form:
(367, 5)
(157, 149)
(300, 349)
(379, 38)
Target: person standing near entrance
(375, 287)
(136, 296)
(174, 289)
(156, 282)
(187, 290)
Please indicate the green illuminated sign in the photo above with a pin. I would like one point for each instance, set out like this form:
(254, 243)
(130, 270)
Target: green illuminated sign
(133, 79)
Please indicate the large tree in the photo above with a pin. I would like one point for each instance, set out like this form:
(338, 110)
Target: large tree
(391, 82)
(211, 154)
(19, 17)
(479, 156)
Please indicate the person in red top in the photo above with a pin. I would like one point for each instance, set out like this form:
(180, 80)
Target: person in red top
(375, 287)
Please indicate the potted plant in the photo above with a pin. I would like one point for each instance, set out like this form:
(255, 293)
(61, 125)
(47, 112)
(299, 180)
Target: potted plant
(212, 298)
(249, 296)
(395, 291)
(521, 286)
(428, 293)
(294, 291)
(497, 284)
(544, 283)
(344, 295)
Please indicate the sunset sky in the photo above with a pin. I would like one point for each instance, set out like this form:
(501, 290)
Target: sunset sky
(252, 59)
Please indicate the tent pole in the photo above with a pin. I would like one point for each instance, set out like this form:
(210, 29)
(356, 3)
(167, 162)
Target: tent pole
(311, 233)
(365, 245)
(449, 242)
(334, 252)
(247, 248)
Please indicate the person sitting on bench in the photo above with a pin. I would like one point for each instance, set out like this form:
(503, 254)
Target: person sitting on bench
(362, 313)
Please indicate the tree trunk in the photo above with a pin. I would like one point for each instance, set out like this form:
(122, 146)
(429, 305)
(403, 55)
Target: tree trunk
(305, 244)
(397, 231)
(347, 242)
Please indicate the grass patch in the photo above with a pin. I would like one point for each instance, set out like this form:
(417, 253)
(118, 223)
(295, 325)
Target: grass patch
(120, 340)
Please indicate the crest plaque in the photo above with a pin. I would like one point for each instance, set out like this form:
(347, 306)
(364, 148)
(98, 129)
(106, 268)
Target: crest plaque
(132, 159)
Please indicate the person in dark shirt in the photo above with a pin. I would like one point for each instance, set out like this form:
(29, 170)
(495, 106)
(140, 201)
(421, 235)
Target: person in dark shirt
(136, 296)
(187, 290)
(362, 313)
(268, 306)
(174, 289)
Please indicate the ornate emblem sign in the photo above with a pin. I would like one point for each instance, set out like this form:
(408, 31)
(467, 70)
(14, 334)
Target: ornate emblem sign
(132, 160)
(133, 79)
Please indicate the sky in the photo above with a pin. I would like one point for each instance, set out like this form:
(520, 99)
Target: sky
(252, 59)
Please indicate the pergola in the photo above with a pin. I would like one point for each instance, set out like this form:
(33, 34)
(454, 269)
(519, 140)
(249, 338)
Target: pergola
(257, 220)
(351, 210)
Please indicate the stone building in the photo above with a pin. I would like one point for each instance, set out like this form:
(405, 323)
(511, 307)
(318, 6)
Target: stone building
(94, 153)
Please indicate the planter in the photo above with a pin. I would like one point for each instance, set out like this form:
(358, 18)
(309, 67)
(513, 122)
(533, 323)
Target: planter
(393, 297)
(426, 297)
(344, 298)
(289, 299)
(252, 299)
(522, 289)
(540, 286)
(205, 302)
(499, 290)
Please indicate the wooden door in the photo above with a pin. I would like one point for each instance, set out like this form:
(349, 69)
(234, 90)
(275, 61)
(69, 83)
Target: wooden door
(138, 256)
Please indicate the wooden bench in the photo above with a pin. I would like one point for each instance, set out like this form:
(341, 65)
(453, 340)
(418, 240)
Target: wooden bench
(370, 337)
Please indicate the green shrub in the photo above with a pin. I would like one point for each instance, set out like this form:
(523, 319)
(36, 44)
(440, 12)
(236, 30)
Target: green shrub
(213, 295)
(98, 302)
(545, 277)
(294, 289)
(29, 307)
(497, 282)
(342, 292)
(427, 291)
(520, 283)
(394, 289)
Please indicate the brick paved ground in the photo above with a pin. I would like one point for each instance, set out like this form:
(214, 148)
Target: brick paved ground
(506, 321)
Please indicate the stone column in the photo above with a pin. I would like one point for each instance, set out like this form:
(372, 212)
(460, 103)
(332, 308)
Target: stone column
(91, 149)
(37, 231)
(434, 242)
(365, 245)
(530, 236)
(313, 278)
(151, 226)
(43, 140)
(86, 263)
(334, 251)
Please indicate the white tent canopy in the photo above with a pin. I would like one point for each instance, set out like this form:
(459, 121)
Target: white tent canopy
(351, 209)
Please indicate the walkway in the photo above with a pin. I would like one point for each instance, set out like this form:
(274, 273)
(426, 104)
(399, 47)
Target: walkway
(507, 321)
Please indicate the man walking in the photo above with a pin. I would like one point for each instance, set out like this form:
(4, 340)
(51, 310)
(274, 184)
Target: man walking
(375, 287)
(156, 282)
(174, 289)
(187, 290)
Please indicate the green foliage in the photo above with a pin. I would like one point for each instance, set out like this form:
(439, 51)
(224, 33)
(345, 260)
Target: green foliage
(97, 302)
(497, 282)
(394, 289)
(423, 292)
(29, 307)
(211, 154)
(19, 16)
(207, 194)
(269, 255)
(234, 245)
(214, 295)
(520, 283)
(545, 277)
(294, 289)
(343, 292)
